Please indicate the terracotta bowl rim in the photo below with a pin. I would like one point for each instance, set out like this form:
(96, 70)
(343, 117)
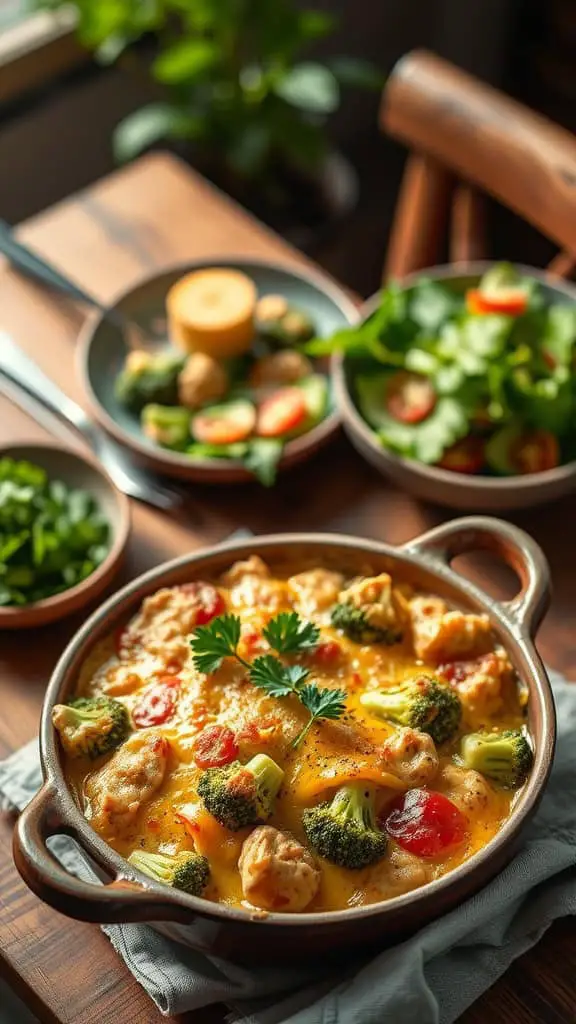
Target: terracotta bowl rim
(517, 640)
(356, 424)
(120, 530)
(214, 469)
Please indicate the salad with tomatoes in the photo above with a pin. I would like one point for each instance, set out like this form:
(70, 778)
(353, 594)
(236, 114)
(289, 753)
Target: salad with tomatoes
(476, 380)
(235, 385)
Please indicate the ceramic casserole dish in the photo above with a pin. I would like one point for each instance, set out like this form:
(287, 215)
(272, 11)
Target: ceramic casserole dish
(233, 933)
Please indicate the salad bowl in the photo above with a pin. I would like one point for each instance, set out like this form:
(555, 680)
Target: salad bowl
(431, 482)
(228, 931)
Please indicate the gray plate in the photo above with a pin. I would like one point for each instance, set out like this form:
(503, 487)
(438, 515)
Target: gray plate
(102, 351)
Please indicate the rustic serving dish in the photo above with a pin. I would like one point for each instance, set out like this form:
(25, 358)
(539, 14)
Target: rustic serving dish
(102, 349)
(74, 470)
(441, 486)
(229, 932)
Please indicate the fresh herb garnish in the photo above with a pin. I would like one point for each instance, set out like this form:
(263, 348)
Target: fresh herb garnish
(286, 634)
(51, 536)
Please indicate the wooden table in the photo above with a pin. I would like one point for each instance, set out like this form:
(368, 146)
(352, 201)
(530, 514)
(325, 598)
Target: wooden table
(139, 220)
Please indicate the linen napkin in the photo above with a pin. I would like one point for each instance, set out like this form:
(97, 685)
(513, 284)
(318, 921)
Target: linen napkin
(429, 979)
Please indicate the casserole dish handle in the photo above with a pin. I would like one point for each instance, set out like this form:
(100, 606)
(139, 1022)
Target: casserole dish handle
(517, 549)
(121, 900)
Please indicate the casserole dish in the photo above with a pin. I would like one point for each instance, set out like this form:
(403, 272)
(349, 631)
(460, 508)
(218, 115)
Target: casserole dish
(232, 933)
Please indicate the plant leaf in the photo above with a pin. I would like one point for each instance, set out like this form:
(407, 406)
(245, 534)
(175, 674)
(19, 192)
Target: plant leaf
(268, 673)
(185, 61)
(311, 87)
(148, 125)
(323, 703)
(287, 634)
(357, 73)
(262, 458)
(212, 643)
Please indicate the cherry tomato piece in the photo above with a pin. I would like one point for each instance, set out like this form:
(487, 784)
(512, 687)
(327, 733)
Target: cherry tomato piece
(327, 652)
(227, 425)
(534, 452)
(215, 746)
(466, 456)
(158, 703)
(281, 413)
(510, 302)
(426, 824)
(209, 600)
(410, 398)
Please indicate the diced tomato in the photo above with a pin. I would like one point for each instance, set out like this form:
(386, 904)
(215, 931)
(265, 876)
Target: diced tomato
(509, 301)
(209, 600)
(356, 680)
(229, 425)
(215, 747)
(282, 412)
(534, 452)
(466, 456)
(425, 823)
(327, 652)
(158, 703)
(410, 397)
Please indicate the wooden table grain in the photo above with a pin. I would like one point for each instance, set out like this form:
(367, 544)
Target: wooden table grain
(139, 220)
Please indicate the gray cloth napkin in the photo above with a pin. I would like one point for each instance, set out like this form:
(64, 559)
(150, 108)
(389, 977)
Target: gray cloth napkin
(429, 979)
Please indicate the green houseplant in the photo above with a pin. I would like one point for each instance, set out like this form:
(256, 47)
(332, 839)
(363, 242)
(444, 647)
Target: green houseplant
(235, 88)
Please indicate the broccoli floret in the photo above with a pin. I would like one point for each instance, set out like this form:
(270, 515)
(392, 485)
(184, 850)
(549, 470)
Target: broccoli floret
(188, 871)
(149, 378)
(168, 425)
(344, 831)
(421, 703)
(354, 623)
(505, 757)
(91, 726)
(239, 795)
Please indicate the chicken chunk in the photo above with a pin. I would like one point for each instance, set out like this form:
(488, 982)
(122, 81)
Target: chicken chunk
(251, 586)
(442, 635)
(164, 622)
(398, 873)
(277, 872)
(469, 790)
(285, 367)
(383, 605)
(202, 380)
(411, 755)
(315, 590)
(115, 793)
(481, 683)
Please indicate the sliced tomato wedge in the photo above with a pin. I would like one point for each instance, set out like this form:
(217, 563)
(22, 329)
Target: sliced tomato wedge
(425, 823)
(410, 397)
(224, 424)
(208, 600)
(281, 413)
(534, 452)
(158, 703)
(466, 456)
(509, 301)
(215, 746)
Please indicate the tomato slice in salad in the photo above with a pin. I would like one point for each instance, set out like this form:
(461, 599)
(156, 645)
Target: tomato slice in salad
(224, 424)
(410, 397)
(466, 456)
(157, 704)
(209, 600)
(534, 452)
(281, 413)
(215, 746)
(425, 823)
(509, 301)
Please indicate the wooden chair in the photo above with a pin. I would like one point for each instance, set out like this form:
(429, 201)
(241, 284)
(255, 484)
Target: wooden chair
(467, 139)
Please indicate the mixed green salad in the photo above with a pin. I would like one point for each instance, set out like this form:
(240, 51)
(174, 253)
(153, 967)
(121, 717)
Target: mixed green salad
(51, 536)
(475, 381)
(244, 408)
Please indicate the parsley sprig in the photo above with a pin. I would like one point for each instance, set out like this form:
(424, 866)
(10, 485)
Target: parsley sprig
(286, 634)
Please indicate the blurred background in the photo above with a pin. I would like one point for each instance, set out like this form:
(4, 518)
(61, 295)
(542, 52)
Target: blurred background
(62, 99)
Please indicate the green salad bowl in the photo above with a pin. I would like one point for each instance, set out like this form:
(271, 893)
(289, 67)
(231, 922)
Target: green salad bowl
(432, 483)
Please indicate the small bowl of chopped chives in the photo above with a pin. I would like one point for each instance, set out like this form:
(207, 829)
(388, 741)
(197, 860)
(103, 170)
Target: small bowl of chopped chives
(63, 531)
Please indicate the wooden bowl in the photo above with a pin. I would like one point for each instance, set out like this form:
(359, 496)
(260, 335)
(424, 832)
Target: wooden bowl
(102, 350)
(277, 937)
(76, 471)
(441, 486)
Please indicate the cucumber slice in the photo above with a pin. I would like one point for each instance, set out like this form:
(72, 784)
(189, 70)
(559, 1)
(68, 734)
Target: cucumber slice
(316, 395)
(498, 449)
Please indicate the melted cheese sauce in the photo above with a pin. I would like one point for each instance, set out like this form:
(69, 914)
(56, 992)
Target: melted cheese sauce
(333, 754)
